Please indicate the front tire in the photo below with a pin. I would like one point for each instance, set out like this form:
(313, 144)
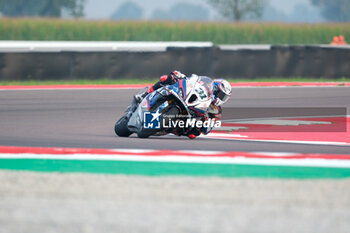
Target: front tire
(144, 133)
(121, 127)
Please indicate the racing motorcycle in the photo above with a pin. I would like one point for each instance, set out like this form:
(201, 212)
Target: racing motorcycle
(162, 111)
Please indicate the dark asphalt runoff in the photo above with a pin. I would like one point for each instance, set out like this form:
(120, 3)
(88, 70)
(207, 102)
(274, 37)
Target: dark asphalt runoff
(86, 118)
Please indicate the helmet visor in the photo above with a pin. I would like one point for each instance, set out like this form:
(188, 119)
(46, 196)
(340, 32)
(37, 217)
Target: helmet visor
(221, 95)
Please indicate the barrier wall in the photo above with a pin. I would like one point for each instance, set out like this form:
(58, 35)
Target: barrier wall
(224, 61)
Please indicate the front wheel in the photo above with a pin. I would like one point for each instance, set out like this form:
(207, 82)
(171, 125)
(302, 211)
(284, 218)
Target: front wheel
(121, 127)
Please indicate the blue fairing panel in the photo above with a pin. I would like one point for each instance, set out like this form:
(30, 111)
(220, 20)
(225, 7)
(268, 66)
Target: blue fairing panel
(152, 99)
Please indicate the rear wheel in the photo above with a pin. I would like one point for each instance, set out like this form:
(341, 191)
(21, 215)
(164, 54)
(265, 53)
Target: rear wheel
(121, 127)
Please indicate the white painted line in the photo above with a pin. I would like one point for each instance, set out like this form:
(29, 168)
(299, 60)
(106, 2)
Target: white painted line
(281, 118)
(277, 154)
(241, 138)
(190, 159)
(245, 47)
(230, 128)
(87, 46)
(283, 122)
(222, 135)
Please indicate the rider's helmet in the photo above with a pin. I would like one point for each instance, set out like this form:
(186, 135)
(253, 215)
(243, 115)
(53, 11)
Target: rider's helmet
(221, 90)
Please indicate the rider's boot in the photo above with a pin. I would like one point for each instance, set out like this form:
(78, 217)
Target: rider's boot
(141, 96)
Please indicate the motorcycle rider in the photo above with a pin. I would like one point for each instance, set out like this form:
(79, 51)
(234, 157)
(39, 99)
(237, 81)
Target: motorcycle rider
(220, 93)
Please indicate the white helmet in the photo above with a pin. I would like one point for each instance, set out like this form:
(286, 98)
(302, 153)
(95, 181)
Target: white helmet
(221, 90)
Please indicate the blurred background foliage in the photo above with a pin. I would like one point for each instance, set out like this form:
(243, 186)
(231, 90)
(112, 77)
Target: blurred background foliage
(180, 21)
(306, 11)
(219, 33)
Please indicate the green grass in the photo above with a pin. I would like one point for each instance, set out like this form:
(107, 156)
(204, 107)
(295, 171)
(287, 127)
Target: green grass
(147, 81)
(218, 33)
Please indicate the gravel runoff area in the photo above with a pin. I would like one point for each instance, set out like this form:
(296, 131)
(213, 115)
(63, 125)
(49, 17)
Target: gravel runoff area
(53, 202)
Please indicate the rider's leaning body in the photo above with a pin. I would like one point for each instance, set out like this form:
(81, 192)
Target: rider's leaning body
(221, 91)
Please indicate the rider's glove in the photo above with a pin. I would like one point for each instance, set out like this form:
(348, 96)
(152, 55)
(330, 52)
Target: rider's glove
(176, 75)
(171, 78)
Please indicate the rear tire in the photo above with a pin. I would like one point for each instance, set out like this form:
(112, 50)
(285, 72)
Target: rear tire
(121, 127)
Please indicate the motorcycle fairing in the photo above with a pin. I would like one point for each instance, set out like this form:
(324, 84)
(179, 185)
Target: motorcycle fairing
(182, 91)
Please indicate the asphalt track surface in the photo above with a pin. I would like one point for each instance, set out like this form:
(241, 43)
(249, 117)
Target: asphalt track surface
(86, 118)
(58, 202)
